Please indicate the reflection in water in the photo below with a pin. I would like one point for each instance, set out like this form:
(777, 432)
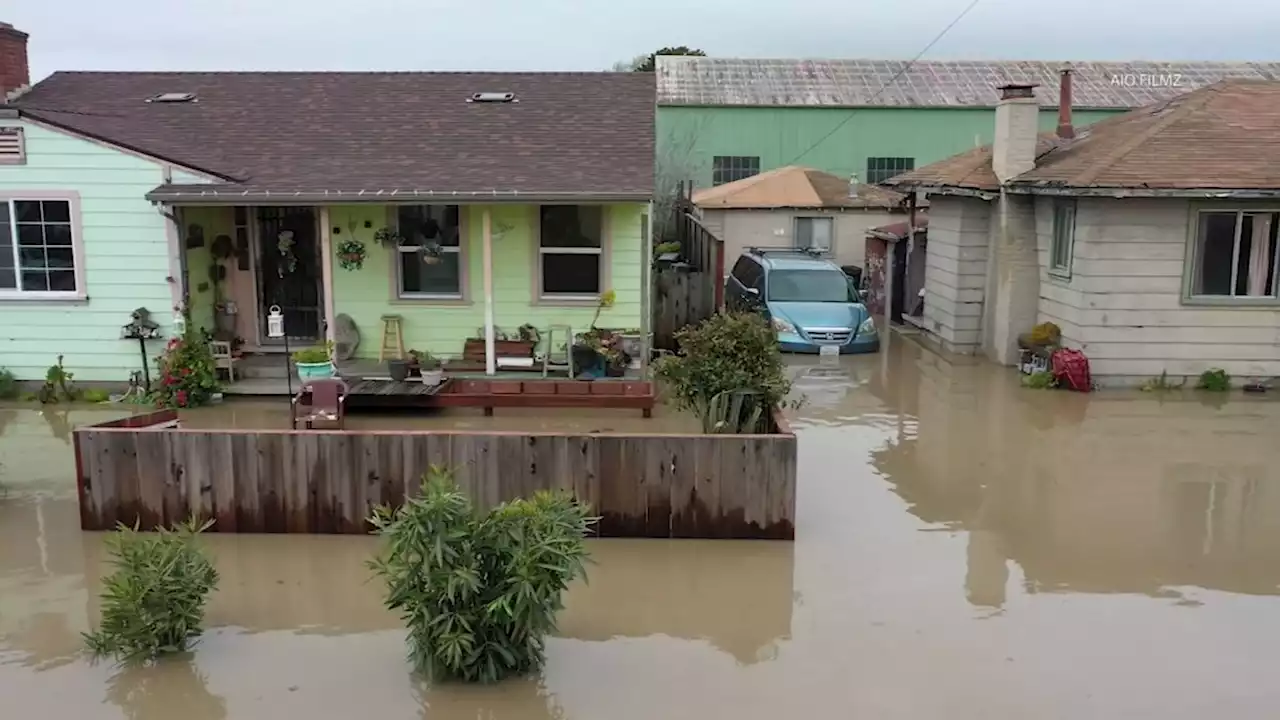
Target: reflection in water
(965, 548)
(160, 690)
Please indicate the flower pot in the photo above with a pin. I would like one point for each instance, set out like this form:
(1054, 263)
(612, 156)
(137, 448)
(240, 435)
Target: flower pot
(398, 369)
(431, 378)
(585, 357)
(308, 371)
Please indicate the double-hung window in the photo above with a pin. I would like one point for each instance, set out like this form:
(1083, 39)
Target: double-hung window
(1062, 244)
(1235, 254)
(815, 233)
(430, 262)
(570, 251)
(39, 249)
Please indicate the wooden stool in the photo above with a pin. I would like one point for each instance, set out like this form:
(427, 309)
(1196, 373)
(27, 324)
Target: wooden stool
(392, 338)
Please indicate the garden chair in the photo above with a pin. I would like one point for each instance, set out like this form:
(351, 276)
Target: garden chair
(324, 399)
(223, 358)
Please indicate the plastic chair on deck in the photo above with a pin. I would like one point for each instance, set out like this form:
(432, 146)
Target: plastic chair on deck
(323, 400)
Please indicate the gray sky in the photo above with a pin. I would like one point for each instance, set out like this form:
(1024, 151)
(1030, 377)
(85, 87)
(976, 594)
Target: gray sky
(592, 34)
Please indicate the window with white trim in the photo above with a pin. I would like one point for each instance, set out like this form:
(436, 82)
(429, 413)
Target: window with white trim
(37, 248)
(570, 251)
(1062, 244)
(1235, 254)
(429, 261)
(815, 233)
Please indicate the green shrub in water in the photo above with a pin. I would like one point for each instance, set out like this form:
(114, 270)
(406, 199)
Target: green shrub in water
(479, 591)
(1214, 379)
(1041, 380)
(95, 395)
(8, 385)
(153, 603)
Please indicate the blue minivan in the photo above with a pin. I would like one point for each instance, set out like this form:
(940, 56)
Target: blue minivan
(811, 303)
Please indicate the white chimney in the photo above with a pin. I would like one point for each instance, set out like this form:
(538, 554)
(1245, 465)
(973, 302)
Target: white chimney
(853, 185)
(1017, 123)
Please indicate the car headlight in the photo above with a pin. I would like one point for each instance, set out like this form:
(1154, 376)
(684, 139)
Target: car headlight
(782, 326)
(868, 327)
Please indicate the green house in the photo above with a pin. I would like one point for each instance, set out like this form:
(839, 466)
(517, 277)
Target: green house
(467, 204)
(723, 119)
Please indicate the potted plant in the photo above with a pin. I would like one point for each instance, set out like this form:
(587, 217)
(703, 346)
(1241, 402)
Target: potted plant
(315, 361)
(429, 367)
(398, 368)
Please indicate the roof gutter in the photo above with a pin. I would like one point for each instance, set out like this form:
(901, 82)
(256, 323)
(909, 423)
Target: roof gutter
(1125, 192)
(213, 196)
(946, 190)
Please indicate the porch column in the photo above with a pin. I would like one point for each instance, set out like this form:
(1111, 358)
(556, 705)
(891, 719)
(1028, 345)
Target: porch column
(177, 259)
(326, 271)
(490, 354)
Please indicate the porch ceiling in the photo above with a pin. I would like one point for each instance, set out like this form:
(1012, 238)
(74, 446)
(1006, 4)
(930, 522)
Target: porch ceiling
(241, 194)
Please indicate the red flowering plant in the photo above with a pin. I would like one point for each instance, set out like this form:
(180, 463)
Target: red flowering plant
(187, 374)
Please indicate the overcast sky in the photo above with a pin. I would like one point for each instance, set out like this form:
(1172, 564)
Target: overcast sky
(593, 34)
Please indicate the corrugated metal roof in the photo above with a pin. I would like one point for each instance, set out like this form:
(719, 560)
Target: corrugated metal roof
(961, 83)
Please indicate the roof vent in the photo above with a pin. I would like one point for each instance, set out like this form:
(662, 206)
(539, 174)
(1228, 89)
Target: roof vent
(493, 97)
(172, 97)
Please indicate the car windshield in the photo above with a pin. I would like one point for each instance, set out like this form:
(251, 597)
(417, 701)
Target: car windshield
(810, 286)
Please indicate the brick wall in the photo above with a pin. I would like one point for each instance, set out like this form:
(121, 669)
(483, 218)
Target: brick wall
(14, 71)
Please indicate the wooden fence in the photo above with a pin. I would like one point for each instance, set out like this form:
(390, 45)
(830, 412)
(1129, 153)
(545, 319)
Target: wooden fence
(318, 481)
(689, 289)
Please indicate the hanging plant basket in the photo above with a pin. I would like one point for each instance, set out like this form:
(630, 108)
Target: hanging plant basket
(389, 237)
(288, 260)
(430, 252)
(351, 254)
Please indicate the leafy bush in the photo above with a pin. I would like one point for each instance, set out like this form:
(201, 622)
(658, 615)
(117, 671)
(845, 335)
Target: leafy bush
(153, 603)
(1041, 380)
(1160, 384)
(1214, 379)
(8, 385)
(479, 591)
(726, 353)
(95, 395)
(315, 354)
(188, 377)
(57, 385)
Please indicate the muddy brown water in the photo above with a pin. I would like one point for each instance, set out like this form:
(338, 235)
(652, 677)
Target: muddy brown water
(965, 548)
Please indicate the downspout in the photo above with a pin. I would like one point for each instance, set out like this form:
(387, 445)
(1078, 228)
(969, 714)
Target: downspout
(490, 352)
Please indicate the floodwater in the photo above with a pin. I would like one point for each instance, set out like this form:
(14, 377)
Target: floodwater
(965, 549)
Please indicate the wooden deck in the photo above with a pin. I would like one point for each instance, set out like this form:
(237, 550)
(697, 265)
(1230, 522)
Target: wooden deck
(327, 481)
(389, 393)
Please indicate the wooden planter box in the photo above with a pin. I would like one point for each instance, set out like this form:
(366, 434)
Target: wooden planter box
(489, 394)
(473, 349)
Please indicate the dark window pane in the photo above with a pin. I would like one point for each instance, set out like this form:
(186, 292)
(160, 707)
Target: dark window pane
(880, 169)
(31, 258)
(421, 224)
(62, 280)
(60, 257)
(441, 278)
(35, 280)
(8, 279)
(27, 210)
(6, 236)
(571, 226)
(729, 168)
(1214, 254)
(241, 217)
(31, 235)
(56, 211)
(570, 274)
(57, 235)
(4, 213)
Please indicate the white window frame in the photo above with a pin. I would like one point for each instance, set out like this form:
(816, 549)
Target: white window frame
(397, 258)
(795, 232)
(542, 251)
(1059, 235)
(1192, 258)
(77, 247)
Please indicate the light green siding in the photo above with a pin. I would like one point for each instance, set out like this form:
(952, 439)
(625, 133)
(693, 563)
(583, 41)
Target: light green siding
(831, 139)
(441, 328)
(125, 255)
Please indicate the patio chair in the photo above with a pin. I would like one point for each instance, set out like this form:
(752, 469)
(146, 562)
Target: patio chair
(324, 399)
(223, 359)
(553, 359)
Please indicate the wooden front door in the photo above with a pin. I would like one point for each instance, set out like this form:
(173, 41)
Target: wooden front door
(289, 272)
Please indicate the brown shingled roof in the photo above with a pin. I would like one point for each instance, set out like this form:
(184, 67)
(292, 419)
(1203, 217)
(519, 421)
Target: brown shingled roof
(1223, 137)
(794, 187)
(569, 134)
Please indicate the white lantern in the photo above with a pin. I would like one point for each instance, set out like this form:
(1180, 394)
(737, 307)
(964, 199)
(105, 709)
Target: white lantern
(275, 322)
(179, 324)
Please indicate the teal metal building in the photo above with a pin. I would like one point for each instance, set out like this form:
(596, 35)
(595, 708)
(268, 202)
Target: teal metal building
(722, 119)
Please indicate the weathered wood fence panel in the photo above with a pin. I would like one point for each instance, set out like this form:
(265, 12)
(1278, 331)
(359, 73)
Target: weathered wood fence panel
(690, 486)
(690, 289)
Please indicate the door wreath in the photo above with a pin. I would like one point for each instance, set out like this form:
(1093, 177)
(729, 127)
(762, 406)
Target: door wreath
(351, 254)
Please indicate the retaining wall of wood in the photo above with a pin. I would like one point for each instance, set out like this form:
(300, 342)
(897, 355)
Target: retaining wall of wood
(326, 481)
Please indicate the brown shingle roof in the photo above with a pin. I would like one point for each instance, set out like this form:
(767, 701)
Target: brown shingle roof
(585, 134)
(1223, 137)
(794, 187)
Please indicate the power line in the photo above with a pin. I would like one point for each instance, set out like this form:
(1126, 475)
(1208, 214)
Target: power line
(892, 80)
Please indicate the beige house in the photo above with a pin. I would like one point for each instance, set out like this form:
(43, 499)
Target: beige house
(1149, 238)
(797, 207)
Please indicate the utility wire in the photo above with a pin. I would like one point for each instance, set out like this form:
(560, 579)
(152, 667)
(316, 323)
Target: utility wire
(892, 80)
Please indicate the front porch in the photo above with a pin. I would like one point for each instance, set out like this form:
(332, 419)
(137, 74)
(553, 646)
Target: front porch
(461, 281)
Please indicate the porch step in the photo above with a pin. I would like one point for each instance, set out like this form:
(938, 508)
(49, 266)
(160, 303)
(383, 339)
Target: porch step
(264, 367)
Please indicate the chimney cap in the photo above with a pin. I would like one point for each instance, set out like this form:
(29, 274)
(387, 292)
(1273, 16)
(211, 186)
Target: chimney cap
(1011, 91)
